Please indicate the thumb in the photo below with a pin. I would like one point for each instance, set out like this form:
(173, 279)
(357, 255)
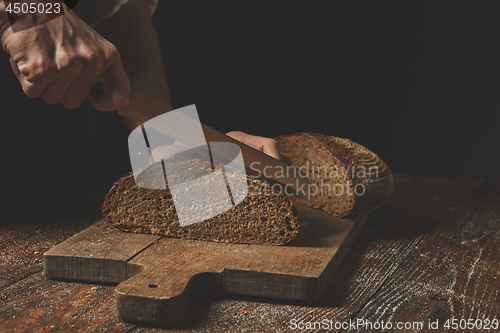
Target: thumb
(115, 90)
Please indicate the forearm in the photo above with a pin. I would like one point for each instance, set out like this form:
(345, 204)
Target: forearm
(132, 31)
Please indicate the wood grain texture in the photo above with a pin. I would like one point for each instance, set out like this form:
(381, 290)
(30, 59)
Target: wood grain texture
(453, 272)
(29, 302)
(36, 304)
(97, 254)
(403, 265)
(165, 274)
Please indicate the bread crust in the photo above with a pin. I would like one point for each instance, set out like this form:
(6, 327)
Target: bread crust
(345, 152)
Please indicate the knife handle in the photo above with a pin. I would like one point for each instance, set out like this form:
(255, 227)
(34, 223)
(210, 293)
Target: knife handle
(136, 103)
(124, 111)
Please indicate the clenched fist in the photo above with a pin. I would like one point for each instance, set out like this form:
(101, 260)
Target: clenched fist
(61, 61)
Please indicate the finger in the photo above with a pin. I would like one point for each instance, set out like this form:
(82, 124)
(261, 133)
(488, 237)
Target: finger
(265, 145)
(237, 135)
(101, 102)
(31, 88)
(77, 92)
(116, 89)
(55, 90)
(271, 147)
(15, 69)
(250, 140)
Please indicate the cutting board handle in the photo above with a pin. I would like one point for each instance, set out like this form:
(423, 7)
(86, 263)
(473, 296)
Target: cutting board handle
(161, 294)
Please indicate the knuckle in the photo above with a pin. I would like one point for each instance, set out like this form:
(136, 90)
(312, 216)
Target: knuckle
(87, 54)
(63, 61)
(91, 56)
(69, 65)
(112, 50)
(37, 71)
(26, 70)
(32, 71)
(91, 60)
(112, 53)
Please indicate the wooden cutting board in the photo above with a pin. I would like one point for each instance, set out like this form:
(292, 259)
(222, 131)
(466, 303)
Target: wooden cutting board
(159, 276)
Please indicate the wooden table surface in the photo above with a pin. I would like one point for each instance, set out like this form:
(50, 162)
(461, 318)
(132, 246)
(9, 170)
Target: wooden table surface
(432, 253)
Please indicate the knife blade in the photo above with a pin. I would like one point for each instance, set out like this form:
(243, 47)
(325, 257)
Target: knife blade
(143, 108)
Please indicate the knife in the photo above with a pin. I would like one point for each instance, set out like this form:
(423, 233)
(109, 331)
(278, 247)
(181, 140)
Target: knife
(143, 108)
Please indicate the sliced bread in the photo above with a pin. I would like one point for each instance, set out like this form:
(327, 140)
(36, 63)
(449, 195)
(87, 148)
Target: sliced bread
(346, 178)
(263, 217)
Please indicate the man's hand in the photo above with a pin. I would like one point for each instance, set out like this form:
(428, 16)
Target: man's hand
(62, 60)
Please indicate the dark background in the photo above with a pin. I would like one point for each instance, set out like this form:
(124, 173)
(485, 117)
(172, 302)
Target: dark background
(416, 82)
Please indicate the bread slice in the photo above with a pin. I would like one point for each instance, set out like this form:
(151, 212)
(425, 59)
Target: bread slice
(346, 178)
(263, 217)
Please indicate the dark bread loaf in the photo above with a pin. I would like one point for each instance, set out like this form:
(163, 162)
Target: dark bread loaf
(346, 178)
(263, 217)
